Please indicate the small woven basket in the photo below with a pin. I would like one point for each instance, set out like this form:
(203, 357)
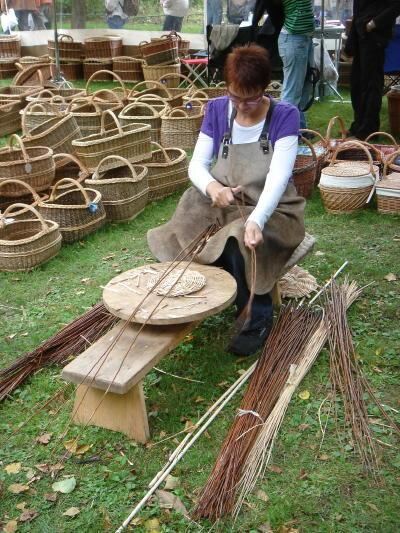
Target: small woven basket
(69, 50)
(388, 189)
(167, 171)
(34, 75)
(34, 166)
(116, 95)
(36, 113)
(198, 95)
(124, 189)
(101, 67)
(177, 84)
(77, 211)
(131, 141)
(181, 126)
(10, 120)
(10, 46)
(320, 148)
(156, 102)
(17, 93)
(25, 244)
(145, 114)
(304, 170)
(105, 47)
(68, 166)
(128, 68)
(347, 186)
(88, 113)
(154, 72)
(163, 51)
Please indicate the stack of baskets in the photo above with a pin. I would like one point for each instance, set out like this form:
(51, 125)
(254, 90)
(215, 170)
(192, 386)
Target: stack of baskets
(71, 56)
(160, 57)
(10, 52)
(99, 54)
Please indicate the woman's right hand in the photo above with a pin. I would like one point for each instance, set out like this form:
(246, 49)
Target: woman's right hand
(221, 196)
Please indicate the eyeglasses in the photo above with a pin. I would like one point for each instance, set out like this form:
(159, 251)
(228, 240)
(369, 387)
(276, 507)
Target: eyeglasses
(254, 100)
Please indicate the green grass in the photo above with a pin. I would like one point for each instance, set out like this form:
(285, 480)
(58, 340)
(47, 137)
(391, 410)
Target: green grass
(318, 490)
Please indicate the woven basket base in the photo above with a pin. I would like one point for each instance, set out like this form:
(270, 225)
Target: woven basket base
(388, 205)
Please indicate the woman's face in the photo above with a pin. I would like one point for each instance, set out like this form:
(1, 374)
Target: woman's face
(246, 102)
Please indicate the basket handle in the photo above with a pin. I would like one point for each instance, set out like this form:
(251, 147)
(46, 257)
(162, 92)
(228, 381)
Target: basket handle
(74, 159)
(63, 36)
(120, 158)
(180, 76)
(159, 147)
(314, 132)
(109, 112)
(37, 105)
(330, 126)
(198, 93)
(84, 101)
(153, 84)
(389, 160)
(177, 113)
(115, 76)
(35, 195)
(25, 130)
(348, 145)
(44, 92)
(310, 146)
(17, 138)
(53, 195)
(383, 133)
(96, 94)
(10, 208)
(154, 97)
(19, 66)
(143, 105)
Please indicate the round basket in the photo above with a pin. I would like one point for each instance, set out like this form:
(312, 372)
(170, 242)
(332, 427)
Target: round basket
(104, 47)
(145, 114)
(163, 51)
(388, 189)
(69, 50)
(155, 72)
(167, 171)
(88, 113)
(10, 46)
(131, 141)
(10, 120)
(320, 152)
(304, 170)
(124, 189)
(34, 166)
(77, 211)
(25, 244)
(8, 68)
(155, 88)
(30, 197)
(181, 126)
(68, 166)
(347, 186)
(128, 68)
(333, 143)
(385, 149)
(101, 67)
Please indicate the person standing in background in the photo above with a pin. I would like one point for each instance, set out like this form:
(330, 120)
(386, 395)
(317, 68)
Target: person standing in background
(115, 15)
(24, 8)
(214, 12)
(174, 11)
(296, 50)
(370, 33)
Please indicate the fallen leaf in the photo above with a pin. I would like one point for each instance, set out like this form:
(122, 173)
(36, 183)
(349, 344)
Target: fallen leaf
(223, 384)
(65, 486)
(241, 371)
(189, 426)
(162, 434)
(171, 483)
(373, 506)
(275, 468)
(71, 512)
(265, 528)
(319, 253)
(303, 427)
(44, 439)
(170, 501)
(10, 527)
(21, 506)
(390, 277)
(28, 515)
(71, 445)
(263, 496)
(303, 474)
(83, 449)
(50, 469)
(152, 525)
(304, 395)
(199, 399)
(51, 496)
(13, 468)
(324, 457)
(17, 488)
(30, 474)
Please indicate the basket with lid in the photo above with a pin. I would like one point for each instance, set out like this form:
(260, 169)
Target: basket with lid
(124, 189)
(388, 189)
(25, 244)
(78, 211)
(180, 126)
(144, 113)
(304, 170)
(347, 186)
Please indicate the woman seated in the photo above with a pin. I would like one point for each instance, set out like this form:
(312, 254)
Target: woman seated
(241, 173)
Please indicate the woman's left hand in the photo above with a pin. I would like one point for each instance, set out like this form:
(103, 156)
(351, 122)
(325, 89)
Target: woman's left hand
(252, 235)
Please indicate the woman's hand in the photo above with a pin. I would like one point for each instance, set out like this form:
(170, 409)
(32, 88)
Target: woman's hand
(252, 235)
(221, 196)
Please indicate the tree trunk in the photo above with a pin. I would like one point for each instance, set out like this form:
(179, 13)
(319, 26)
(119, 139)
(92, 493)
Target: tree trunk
(78, 19)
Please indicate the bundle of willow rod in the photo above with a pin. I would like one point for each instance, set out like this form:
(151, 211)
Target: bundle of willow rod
(71, 340)
(260, 454)
(283, 348)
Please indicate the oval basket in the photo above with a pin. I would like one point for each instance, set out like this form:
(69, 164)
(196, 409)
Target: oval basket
(214, 91)
(36, 113)
(388, 189)
(25, 244)
(156, 102)
(10, 120)
(177, 84)
(34, 166)
(145, 114)
(32, 198)
(128, 68)
(167, 171)
(13, 92)
(88, 113)
(304, 170)
(115, 95)
(104, 47)
(124, 189)
(131, 141)
(68, 166)
(347, 186)
(163, 51)
(181, 126)
(77, 211)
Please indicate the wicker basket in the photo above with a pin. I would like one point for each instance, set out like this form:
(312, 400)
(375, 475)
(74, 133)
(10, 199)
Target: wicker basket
(163, 51)
(154, 72)
(168, 171)
(214, 91)
(183, 44)
(30, 197)
(177, 84)
(156, 102)
(34, 166)
(25, 244)
(145, 114)
(8, 68)
(36, 114)
(58, 133)
(131, 142)
(116, 95)
(68, 166)
(102, 67)
(181, 126)
(88, 113)
(347, 186)
(332, 144)
(128, 68)
(10, 120)
(17, 93)
(304, 170)
(27, 61)
(198, 95)
(157, 89)
(385, 149)
(104, 47)
(71, 70)
(388, 189)
(48, 95)
(34, 75)
(10, 46)
(69, 50)
(321, 151)
(124, 189)
(77, 211)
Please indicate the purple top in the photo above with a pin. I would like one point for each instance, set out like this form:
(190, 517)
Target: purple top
(285, 121)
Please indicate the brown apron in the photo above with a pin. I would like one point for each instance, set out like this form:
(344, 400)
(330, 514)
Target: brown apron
(237, 164)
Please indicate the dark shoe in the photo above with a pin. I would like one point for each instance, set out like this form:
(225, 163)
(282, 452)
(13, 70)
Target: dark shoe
(249, 342)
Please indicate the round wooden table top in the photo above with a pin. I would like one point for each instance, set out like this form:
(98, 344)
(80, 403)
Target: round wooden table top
(128, 297)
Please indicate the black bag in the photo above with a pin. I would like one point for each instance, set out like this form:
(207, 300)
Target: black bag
(313, 75)
(130, 7)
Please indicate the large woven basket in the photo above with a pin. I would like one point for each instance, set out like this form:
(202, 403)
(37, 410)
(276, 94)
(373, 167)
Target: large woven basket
(183, 44)
(27, 61)
(68, 166)
(198, 95)
(36, 113)
(304, 170)
(154, 72)
(10, 46)
(71, 70)
(131, 141)
(321, 152)
(388, 189)
(128, 68)
(10, 120)
(58, 133)
(347, 186)
(25, 244)
(104, 47)
(77, 211)
(88, 113)
(168, 171)
(34, 75)
(8, 68)
(48, 96)
(156, 102)
(145, 114)
(155, 88)
(69, 50)
(34, 166)
(181, 126)
(163, 51)
(177, 84)
(124, 189)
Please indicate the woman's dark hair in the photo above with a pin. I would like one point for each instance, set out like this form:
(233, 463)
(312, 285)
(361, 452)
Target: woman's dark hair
(248, 68)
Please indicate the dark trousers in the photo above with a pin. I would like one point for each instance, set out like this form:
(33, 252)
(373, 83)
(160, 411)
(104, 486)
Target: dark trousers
(367, 80)
(232, 261)
(172, 23)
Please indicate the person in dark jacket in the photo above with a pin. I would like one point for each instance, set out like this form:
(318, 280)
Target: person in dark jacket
(371, 30)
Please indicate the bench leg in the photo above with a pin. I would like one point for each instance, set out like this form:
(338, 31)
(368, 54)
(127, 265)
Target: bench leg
(119, 412)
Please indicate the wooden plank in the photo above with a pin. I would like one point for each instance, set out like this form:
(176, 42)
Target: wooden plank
(99, 365)
(119, 412)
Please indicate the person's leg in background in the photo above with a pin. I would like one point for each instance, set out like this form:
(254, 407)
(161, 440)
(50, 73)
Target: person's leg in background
(172, 23)
(23, 19)
(307, 87)
(38, 20)
(355, 87)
